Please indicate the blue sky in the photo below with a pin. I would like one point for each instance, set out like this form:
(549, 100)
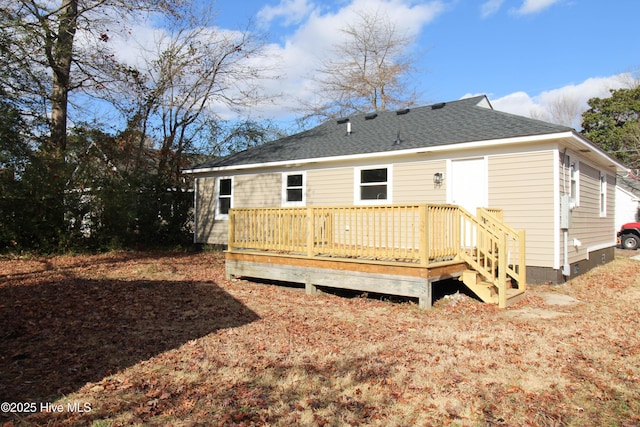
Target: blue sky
(524, 54)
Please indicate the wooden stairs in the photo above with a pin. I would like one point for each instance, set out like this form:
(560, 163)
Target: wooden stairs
(495, 256)
(489, 292)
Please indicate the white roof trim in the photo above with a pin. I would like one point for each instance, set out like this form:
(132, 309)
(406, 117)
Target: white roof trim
(628, 193)
(586, 143)
(421, 150)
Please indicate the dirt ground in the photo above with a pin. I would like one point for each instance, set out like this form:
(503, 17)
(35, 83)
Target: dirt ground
(164, 339)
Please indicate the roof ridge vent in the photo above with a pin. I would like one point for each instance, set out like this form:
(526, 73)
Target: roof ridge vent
(402, 111)
(342, 120)
(370, 116)
(438, 105)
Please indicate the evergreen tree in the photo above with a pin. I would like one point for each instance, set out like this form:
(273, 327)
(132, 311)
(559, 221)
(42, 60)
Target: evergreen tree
(614, 124)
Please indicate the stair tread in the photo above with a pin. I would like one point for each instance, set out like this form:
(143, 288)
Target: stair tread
(488, 291)
(485, 283)
(514, 292)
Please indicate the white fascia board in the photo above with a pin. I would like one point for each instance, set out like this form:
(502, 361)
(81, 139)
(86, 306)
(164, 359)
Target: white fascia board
(422, 150)
(605, 156)
(627, 193)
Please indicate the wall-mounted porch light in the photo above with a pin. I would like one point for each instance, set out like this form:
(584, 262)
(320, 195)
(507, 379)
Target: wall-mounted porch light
(438, 177)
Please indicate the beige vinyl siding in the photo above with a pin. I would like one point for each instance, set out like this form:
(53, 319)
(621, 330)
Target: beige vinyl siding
(257, 190)
(523, 186)
(330, 187)
(587, 226)
(413, 183)
(207, 229)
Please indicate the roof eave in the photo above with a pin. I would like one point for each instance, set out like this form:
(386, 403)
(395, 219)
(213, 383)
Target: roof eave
(620, 167)
(421, 150)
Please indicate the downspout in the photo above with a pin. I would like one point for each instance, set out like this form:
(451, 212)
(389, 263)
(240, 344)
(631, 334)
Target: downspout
(566, 268)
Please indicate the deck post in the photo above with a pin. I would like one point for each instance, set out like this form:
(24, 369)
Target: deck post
(230, 239)
(232, 230)
(502, 271)
(309, 288)
(425, 235)
(310, 232)
(425, 301)
(522, 267)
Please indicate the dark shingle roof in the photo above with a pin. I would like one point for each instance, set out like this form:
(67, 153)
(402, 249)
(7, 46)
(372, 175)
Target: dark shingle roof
(437, 125)
(630, 184)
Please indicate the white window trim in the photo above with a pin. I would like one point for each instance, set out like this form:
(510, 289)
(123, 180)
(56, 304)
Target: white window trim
(196, 197)
(284, 189)
(219, 215)
(576, 202)
(357, 185)
(602, 200)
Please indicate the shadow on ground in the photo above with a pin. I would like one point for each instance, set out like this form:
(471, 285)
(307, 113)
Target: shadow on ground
(440, 290)
(57, 335)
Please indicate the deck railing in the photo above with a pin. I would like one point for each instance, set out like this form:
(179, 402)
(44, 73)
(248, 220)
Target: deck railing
(513, 244)
(420, 233)
(494, 250)
(409, 233)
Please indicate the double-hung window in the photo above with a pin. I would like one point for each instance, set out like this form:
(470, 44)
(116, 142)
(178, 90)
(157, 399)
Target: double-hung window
(603, 194)
(224, 197)
(293, 191)
(373, 185)
(574, 172)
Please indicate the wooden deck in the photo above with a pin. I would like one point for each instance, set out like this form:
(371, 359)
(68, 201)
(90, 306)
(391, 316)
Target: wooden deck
(400, 278)
(397, 250)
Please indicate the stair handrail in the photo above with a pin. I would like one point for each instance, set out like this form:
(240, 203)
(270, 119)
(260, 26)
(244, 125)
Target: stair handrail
(492, 244)
(516, 270)
(479, 250)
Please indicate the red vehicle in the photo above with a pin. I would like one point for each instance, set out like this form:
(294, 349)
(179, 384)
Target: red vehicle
(629, 235)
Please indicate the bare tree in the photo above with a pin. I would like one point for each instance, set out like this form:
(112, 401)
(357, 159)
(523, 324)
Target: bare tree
(54, 48)
(193, 71)
(564, 110)
(44, 41)
(369, 71)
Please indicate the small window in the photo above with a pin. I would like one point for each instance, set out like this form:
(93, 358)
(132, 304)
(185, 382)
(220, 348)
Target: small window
(603, 195)
(574, 170)
(225, 193)
(374, 185)
(293, 189)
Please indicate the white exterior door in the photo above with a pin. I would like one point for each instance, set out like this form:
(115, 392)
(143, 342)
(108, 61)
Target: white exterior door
(468, 184)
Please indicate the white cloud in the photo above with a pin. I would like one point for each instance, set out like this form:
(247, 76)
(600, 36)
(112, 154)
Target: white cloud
(131, 48)
(302, 52)
(571, 99)
(291, 11)
(313, 30)
(490, 7)
(519, 103)
(535, 6)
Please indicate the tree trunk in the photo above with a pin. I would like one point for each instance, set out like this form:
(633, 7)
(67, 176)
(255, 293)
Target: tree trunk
(61, 66)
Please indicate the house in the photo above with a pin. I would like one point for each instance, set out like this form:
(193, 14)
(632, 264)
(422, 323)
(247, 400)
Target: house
(627, 198)
(540, 177)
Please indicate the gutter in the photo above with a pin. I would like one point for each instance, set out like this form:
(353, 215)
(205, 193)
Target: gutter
(591, 146)
(420, 150)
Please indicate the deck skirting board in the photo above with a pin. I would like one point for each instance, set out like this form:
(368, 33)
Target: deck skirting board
(408, 286)
(392, 278)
